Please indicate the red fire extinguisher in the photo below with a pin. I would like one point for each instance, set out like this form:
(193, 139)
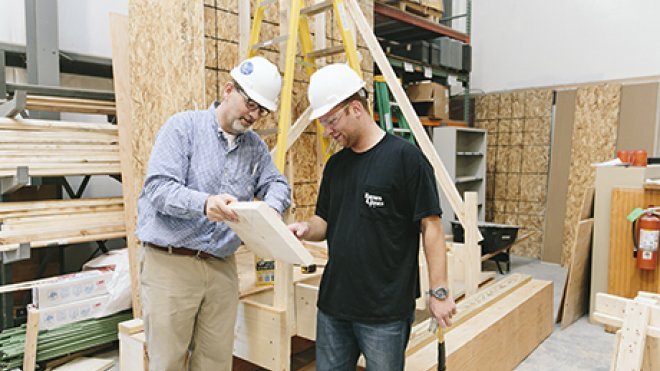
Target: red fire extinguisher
(646, 239)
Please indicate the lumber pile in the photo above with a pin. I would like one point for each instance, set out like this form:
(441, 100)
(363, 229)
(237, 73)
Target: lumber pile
(60, 222)
(58, 148)
(59, 342)
(65, 104)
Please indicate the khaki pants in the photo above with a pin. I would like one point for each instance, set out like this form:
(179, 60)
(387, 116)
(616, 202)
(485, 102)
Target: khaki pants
(188, 303)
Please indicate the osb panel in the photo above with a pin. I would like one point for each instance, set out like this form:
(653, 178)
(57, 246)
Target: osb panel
(503, 139)
(491, 159)
(490, 187)
(538, 103)
(227, 55)
(594, 140)
(511, 207)
(209, 22)
(493, 106)
(499, 206)
(513, 187)
(211, 87)
(304, 212)
(533, 187)
(516, 139)
(535, 159)
(304, 194)
(480, 107)
(227, 26)
(506, 105)
(515, 159)
(537, 131)
(504, 126)
(210, 53)
(531, 247)
(518, 104)
(230, 5)
(503, 155)
(500, 186)
(271, 12)
(304, 159)
(167, 68)
(517, 125)
(532, 208)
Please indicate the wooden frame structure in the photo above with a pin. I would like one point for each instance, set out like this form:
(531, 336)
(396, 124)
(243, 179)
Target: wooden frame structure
(637, 345)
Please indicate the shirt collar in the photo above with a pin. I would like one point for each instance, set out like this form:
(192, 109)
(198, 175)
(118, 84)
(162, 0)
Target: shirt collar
(216, 123)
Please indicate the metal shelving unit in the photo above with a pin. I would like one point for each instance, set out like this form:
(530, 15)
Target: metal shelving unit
(391, 23)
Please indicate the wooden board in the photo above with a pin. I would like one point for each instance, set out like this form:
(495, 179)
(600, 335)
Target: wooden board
(638, 126)
(594, 139)
(86, 364)
(263, 231)
(121, 80)
(498, 338)
(624, 278)
(575, 301)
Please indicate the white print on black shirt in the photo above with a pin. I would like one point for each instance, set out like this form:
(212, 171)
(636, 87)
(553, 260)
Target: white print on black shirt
(373, 201)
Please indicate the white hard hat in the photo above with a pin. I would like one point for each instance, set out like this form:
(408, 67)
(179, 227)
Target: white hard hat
(260, 80)
(331, 85)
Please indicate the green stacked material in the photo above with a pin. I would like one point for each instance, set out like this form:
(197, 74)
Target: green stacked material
(61, 341)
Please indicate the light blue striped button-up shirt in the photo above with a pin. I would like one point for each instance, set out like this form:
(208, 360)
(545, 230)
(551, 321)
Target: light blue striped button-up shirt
(191, 160)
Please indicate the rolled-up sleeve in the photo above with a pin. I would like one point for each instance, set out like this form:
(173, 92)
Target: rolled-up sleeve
(165, 184)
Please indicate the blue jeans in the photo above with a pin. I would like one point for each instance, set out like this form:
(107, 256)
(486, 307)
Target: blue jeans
(340, 342)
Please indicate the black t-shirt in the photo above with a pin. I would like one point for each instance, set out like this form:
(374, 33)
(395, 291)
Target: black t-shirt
(373, 203)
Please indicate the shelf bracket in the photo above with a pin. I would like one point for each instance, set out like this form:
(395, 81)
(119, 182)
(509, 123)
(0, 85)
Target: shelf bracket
(21, 179)
(21, 253)
(14, 106)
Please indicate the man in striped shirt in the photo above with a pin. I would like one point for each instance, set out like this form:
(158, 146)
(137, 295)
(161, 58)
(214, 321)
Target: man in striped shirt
(203, 161)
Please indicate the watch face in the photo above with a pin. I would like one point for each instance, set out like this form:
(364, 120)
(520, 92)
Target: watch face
(440, 293)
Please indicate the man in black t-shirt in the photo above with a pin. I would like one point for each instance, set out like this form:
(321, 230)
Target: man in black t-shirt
(377, 195)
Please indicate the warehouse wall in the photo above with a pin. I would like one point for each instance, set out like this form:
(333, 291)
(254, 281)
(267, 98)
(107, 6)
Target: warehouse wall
(83, 25)
(532, 43)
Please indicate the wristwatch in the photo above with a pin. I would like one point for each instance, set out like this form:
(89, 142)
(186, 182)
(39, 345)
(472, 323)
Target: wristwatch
(439, 293)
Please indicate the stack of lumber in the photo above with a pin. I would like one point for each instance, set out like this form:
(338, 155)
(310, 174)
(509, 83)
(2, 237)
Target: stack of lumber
(65, 104)
(46, 223)
(58, 148)
(61, 341)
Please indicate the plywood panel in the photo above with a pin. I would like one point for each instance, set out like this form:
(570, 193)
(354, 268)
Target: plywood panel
(624, 279)
(518, 104)
(639, 122)
(576, 296)
(594, 138)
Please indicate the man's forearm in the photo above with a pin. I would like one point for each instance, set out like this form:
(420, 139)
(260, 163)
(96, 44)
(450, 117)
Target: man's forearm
(435, 249)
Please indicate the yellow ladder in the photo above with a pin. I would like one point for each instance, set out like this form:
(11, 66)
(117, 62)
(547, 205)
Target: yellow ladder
(298, 22)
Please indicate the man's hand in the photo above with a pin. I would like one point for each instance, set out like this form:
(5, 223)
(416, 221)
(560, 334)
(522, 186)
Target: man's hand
(442, 310)
(217, 209)
(299, 229)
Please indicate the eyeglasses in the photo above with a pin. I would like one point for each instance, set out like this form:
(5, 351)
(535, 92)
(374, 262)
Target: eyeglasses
(251, 104)
(332, 120)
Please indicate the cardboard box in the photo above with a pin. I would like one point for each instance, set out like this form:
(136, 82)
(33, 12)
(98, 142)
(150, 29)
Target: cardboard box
(60, 315)
(72, 288)
(431, 98)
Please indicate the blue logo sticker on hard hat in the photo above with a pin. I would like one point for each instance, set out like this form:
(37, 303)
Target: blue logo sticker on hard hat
(247, 68)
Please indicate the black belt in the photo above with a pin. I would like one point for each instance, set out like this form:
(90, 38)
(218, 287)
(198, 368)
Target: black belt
(184, 251)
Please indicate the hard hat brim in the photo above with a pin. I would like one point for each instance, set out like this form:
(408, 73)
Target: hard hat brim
(320, 111)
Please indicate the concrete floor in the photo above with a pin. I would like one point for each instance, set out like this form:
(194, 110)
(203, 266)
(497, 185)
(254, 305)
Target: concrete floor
(581, 346)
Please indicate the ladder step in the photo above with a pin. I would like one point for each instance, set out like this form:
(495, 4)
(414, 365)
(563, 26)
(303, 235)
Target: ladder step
(316, 8)
(400, 130)
(394, 104)
(264, 3)
(265, 43)
(326, 52)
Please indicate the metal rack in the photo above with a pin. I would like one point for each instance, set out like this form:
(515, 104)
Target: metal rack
(44, 62)
(391, 23)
